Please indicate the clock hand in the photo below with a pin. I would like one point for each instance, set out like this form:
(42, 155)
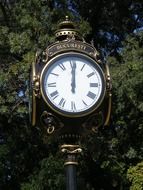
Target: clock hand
(73, 84)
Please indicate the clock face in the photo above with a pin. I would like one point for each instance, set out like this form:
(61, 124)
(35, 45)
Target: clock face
(73, 84)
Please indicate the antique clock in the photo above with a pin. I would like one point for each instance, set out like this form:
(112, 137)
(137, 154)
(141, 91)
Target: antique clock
(70, 84)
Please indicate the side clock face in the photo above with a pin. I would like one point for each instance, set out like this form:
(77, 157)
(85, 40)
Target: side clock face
(73, 84)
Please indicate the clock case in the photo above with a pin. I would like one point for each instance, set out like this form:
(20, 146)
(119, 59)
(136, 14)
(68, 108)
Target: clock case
(68, 40)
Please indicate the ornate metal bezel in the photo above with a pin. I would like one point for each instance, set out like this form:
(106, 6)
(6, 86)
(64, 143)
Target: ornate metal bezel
(74, 114)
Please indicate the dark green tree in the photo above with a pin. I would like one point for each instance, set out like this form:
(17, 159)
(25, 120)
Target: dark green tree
(111, 21)
(28, 161)
(113, 156)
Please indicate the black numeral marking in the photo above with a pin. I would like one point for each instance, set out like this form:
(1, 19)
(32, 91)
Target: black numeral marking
(62, 66)
(52, 84)
(82, 67)
(54, 74)
(73, 64)
(90, 75)
(73, 107)
(91, 95)
(84, 102)
(62, 102)
(54, 94)
(93, 84)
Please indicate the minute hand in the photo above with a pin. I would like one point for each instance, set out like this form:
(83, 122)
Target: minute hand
(73, 82)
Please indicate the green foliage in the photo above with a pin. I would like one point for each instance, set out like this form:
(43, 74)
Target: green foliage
(49, 175)
(26, 27)
(19, 43)
(135, 176)
(127, 100)
(110, 21)
(112, 157)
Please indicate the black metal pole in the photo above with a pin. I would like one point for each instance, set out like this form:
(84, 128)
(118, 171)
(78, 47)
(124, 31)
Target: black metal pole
(71, 163)
(71, 178)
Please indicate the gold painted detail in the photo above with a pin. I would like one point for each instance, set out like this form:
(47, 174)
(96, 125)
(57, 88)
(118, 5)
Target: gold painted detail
(108, 79)
(71, 149)
(71, 45)
(109, 110)
(50, 129)
(67, 28)
(67, 32)
(36, 85)
(50, 122)
(70, 163)
(109, 94)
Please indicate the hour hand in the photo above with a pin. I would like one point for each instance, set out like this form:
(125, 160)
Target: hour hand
(73, 83)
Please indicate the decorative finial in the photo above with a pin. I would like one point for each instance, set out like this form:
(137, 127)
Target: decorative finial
(67, 29)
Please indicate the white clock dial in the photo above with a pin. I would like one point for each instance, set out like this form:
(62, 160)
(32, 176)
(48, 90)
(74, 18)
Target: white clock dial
(73, 83)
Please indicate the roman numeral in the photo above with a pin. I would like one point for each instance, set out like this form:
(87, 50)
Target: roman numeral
(73, 64)
(84, 102)
(54, 74)
(54, 94)
(91, 95)
(90, 75)
(82, 67)
(73, 107)
(52, 84)
(93, 84)
(62, 66)
(62, 102)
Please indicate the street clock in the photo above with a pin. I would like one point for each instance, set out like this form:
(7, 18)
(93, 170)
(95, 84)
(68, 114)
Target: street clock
(70, 84)
(70, 93)
(73, 84)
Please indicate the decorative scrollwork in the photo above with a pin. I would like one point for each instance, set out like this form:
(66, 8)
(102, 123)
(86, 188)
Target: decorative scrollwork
(94, 122)
(50, 122)
(36, 85)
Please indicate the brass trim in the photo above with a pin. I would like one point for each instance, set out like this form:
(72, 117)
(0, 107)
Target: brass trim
(67, 28)
(69, 146)
(73, 46)
(109, 110)
(69, 32)
(107, 70)
(70, 163)
(75, 151)
(36, 85)
(50, 130)
(71, 149)
(33, 96)
(74, 114)
(109, 87)
(108, 78)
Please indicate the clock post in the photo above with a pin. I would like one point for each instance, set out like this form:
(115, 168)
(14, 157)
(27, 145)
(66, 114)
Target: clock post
(70, 93)
(71, 163)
